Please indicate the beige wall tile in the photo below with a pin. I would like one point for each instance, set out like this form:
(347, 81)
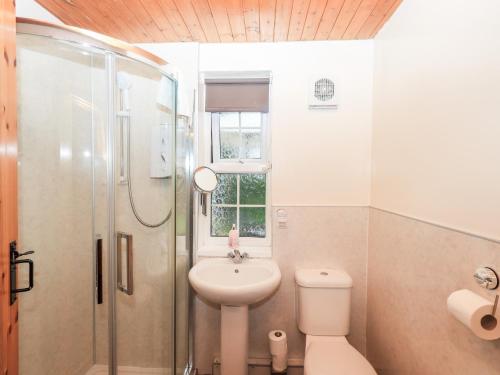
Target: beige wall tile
(412, 268)
(333, 237)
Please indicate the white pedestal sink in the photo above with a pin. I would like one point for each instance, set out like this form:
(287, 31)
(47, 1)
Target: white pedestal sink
(234, 287)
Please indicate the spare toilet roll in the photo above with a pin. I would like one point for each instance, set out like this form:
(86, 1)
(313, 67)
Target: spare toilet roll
(476, 313)
(279, 350)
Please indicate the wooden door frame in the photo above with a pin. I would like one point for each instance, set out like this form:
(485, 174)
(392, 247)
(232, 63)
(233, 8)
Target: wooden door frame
(9, 358)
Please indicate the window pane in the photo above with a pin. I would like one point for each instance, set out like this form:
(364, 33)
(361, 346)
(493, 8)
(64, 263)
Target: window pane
(251, 144)
(229, 119)
(253, 222)
(226, 190)
(229, 144)
(253, 189)
(223, 219)
(251, 119)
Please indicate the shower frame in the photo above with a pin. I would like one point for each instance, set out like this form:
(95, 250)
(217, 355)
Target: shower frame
(110, 49)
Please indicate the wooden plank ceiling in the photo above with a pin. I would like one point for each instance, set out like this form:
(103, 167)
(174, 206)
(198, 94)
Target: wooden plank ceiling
(226, 20)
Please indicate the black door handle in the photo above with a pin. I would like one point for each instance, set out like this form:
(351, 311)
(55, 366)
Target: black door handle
(14, 254)
(99, 271)
(25, 253)
(31, 275)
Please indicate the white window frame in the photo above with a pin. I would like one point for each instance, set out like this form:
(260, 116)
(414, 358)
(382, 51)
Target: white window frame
(215, 124)
(217, 246)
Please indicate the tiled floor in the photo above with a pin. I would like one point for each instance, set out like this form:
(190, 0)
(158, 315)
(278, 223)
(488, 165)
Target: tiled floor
(126, 370)
(265, 370)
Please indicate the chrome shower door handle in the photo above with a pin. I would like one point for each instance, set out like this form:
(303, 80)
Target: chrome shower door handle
(127, 288)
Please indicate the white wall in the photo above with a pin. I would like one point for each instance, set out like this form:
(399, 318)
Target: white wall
(436, 138)
(182, 59)
(320, 157)
(31, 9)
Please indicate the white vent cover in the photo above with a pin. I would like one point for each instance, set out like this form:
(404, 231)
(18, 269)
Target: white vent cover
(323, 92)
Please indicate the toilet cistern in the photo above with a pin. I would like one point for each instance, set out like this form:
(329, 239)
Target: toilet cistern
(323, 315)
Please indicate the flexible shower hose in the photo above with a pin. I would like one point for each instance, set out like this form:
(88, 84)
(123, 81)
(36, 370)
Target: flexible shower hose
(130, 191)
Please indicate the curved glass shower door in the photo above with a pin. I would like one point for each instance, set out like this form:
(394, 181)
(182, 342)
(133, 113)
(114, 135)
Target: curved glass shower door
(97, 203)
(62, 102)
(145, 217)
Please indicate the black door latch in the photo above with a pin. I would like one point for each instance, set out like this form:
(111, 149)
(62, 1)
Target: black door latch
(14, 254)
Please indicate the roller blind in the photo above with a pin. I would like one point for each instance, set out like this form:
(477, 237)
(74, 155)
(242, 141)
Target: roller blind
(237, 95)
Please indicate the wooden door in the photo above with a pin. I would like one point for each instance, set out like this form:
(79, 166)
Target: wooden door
(8, 185)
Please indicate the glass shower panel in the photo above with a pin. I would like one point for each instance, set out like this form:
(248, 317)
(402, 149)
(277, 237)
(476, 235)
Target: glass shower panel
(61, 91)
(183, 228)
(79, 190)
(144, 217)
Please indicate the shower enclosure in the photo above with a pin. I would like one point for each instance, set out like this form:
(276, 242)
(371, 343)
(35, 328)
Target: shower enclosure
(104, 199)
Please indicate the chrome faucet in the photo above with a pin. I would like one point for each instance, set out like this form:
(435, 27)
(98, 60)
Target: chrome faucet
(237, 257)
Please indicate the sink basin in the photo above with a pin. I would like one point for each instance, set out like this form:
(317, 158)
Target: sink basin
(221, 281)
(234, 287)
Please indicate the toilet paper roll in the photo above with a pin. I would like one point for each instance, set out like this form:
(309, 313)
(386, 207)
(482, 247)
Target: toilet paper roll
(279, 350)
(277, 342)
(475, 312)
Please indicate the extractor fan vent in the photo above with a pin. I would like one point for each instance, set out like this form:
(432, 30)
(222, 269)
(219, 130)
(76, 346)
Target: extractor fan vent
(324, 89)
(323, 92)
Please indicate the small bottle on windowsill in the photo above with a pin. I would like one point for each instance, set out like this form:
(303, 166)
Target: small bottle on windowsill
(233, 239)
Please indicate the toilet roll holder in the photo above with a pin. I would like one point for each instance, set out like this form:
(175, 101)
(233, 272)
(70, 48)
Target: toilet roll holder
(487, 278)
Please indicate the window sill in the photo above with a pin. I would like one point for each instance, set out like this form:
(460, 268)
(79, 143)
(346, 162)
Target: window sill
(221, 251)
(245, 167)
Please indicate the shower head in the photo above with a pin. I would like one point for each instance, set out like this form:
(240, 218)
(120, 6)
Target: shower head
(124, 84)
(123, 81)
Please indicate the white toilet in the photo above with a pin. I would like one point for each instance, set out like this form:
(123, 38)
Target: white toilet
(323, 314)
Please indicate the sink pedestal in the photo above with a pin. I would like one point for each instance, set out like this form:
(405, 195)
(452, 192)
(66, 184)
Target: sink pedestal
(234, 340)
(235, 287)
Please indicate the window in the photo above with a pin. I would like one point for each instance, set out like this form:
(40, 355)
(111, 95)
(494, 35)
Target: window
(240, 161)
(238, 136)
(239, 149)
(237, 145)
(239, 199)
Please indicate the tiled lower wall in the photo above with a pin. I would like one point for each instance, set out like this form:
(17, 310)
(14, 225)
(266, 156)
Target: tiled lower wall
(316, 237)
(412, 268)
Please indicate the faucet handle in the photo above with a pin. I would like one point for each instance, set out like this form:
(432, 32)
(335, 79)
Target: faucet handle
(231, 255)
(245, 255)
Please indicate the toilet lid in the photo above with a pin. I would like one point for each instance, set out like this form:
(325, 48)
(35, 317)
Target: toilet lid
(335, 358)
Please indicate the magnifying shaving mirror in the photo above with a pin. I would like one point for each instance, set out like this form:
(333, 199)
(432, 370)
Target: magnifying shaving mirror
(205, 181)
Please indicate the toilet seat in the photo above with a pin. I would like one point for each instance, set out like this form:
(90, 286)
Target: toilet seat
(327, 355)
